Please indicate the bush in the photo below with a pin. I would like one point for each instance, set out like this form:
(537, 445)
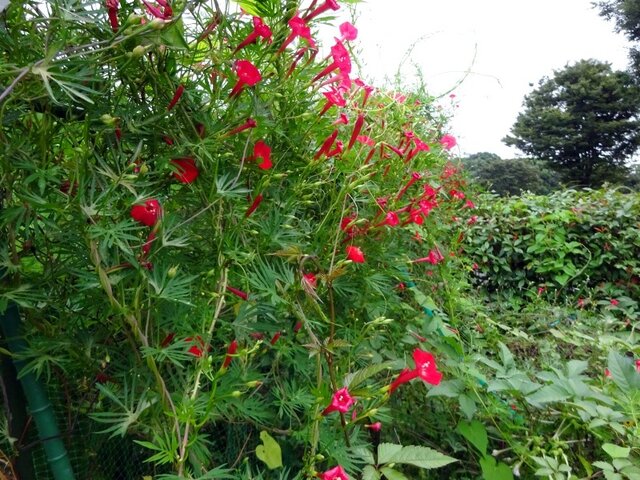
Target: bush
(571, 242)
(208, 228)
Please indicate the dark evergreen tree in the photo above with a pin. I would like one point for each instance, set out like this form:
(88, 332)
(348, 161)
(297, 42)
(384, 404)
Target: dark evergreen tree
(582, 121)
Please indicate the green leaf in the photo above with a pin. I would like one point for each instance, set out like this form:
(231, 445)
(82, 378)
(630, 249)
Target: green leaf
(422, 457)
(386, 452)
(475, 433)
(491, 470)
(616, 451)
(468, 406)
(550, 393)
(448, 388)
(392, 474)
(370, 473)
(173, 36)
(269, 452)
(623, 372)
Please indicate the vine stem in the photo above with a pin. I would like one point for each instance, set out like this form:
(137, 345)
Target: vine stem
(141, 337)
(196, 383)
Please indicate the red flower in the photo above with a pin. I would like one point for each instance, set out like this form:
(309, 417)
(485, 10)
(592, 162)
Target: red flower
(448, 141)
(263, 151)
(334, 97)
(391, 219)
(275, 338)
(368, 89)
(248, 74)
(238, 293)
(327, 5)
(374, 427)
(254, 205)
(197, 349)
(164, 12)
(346, 227)
(176, 97)
(147, 214)
(340, 402)
(310, 280)
(342, 119)
(355, 254)
(299, 28)
(614, 302)
(433, 258)
(326, 145)
(146, 247)
(112, 11)
(415, 176)
(348, 32)
(638, 366)
(231, 350)
(168, 339)
(336, 473)
(341, 61)
(260, 29)
(250, 123)
(186, 170)
(426, 369)
(357, 127)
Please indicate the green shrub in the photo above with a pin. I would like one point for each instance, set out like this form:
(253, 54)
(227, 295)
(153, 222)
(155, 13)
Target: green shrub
(576, 243)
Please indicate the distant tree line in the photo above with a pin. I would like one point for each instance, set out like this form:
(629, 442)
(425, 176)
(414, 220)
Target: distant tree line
(516, 176)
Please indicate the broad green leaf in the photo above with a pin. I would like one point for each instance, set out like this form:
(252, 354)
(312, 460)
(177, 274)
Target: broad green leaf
(422, 457)
(612, 475)
(623, 372)
(550, 393)
(448, 388)
(269, 452)
(616, 451)
(475, 433)
(468, 406)
(386, 451)
(173, 36)
(370, 473)
(392, 474)
(491, 470)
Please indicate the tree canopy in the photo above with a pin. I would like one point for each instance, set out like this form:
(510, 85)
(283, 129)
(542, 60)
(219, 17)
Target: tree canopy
(582, 121)
(510, 176)
(626, 15)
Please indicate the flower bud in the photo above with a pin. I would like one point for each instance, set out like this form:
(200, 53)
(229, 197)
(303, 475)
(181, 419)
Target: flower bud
(172, 272)
(253, 383)
(138, 51)
(108, 119)
(236, 393)
(157, 23)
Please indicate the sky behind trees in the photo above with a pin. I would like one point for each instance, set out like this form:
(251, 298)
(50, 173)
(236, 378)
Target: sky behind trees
(502, 46)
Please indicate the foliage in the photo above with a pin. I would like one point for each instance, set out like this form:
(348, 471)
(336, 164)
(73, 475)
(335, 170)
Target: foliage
(210, 233)
(510, 176)
(573, 244)
(582, 121)
(626, 15)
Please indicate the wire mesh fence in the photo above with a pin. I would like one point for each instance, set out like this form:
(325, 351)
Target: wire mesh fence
(93, 455)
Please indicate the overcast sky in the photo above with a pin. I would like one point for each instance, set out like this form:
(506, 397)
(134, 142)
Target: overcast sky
(504, 45)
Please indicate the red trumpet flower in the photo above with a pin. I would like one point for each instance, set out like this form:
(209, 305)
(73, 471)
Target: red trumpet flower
(299, 28)
(186, 170)
(260, 29)
(248, 75)
(327, 5)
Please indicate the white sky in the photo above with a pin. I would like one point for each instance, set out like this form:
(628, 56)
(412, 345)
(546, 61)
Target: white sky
(515, 42)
